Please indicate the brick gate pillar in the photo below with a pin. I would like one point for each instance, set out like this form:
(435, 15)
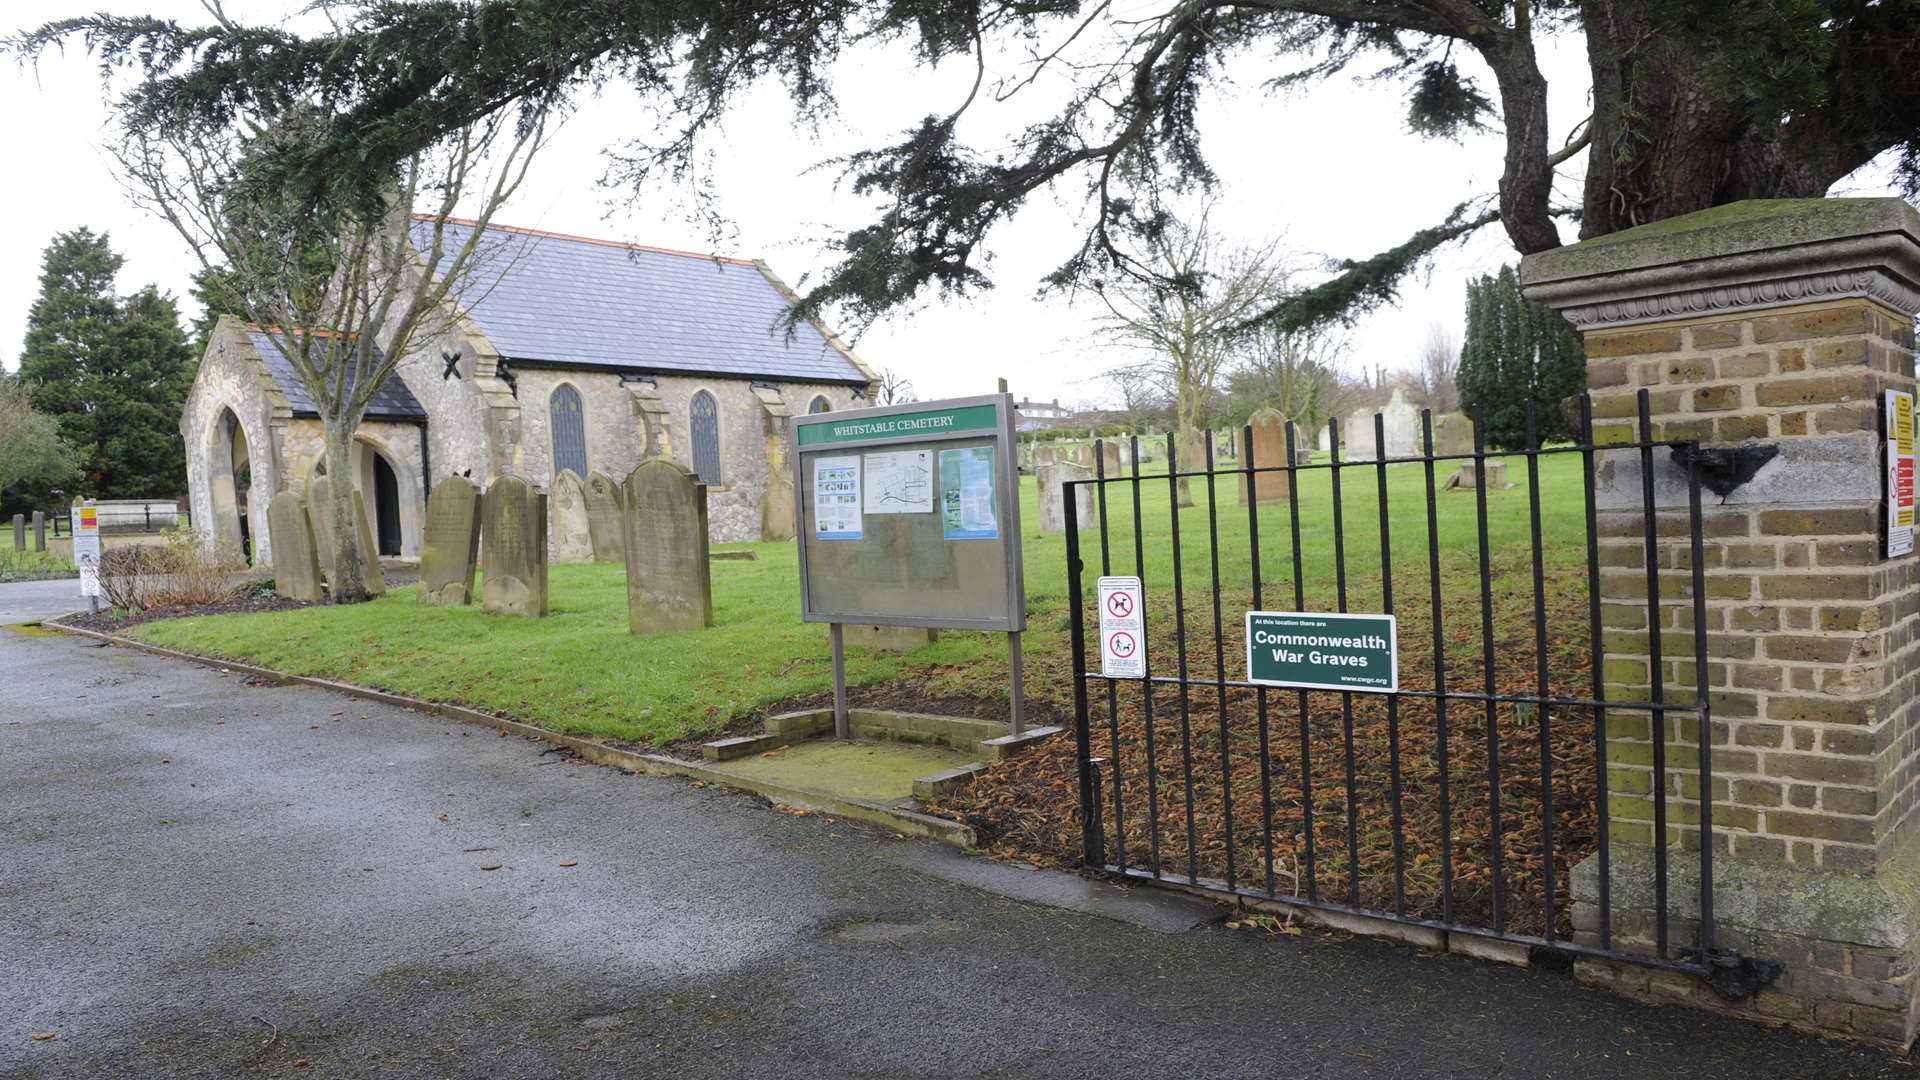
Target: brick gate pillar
(1765, 324)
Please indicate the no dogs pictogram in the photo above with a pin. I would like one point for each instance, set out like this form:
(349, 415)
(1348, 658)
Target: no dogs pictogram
(1120, 604)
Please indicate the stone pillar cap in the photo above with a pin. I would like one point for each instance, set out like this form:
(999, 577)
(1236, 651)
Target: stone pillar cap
(1755, 254)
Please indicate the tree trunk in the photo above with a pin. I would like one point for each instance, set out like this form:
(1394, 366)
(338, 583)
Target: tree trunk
(1668, 136)
(348, 585)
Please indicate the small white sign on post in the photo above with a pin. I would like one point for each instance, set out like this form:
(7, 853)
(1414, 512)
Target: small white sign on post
(86, 547)
(1123, 628)
(1900, 478)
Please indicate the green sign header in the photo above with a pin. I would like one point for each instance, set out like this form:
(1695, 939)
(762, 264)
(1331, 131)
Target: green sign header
(1322, 651)
(826, 432)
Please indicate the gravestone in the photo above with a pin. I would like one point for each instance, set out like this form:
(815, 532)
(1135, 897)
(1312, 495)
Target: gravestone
(1269, 448)
(1468, 477)
(19, 532)
(669, 583)
(1053, 503)
(39, 530)
(452, 546)
(514, 553)
(1452, 434)
(296, 568)
(603, 518)
(1401, 424)
(1110, 450)
(320, 513)
(572, 538)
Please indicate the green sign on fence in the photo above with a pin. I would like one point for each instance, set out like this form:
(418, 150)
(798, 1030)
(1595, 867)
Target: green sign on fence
(1322, 651)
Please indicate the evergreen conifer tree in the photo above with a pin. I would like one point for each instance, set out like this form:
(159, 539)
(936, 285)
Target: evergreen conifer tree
(1516, 351)
(112, 372)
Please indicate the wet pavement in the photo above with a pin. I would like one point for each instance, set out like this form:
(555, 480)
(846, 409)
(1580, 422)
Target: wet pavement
(201, 878)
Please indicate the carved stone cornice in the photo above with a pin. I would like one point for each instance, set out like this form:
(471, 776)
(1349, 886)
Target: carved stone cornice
(1744, 257)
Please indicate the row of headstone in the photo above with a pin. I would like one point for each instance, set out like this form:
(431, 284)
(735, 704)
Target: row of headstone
(660, 514)
(584, 517)
(39, 531)
(300, 529)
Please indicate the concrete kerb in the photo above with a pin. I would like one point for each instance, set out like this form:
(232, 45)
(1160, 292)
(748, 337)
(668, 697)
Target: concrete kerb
(895, 818)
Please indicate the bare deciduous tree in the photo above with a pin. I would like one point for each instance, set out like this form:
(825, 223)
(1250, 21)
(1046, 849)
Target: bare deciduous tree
(1296, 374)
(344, 289)
(1186, 318)
(893, 389)
(1439, 365)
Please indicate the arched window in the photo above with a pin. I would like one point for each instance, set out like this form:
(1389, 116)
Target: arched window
(820, 404)
(705, 416)
(569, 431)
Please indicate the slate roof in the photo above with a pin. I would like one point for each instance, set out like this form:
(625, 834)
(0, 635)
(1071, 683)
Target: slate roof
(571, 301)
(393, 401)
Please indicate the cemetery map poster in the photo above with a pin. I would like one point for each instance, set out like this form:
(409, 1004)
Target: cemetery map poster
(836, 498)
(899, 482)
(967, 501)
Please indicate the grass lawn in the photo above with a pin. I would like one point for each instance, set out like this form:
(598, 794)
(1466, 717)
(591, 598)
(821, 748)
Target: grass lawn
(581, 671)
(29, 564)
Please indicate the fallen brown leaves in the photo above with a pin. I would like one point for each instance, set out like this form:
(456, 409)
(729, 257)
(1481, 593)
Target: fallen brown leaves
(1187, 807)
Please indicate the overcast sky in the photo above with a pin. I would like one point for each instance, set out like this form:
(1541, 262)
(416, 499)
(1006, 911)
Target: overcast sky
(1328, 171)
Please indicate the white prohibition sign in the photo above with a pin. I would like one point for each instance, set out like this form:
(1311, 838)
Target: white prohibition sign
(1123, 637)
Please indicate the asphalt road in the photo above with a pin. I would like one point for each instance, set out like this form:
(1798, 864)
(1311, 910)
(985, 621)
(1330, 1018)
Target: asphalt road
(199, 878)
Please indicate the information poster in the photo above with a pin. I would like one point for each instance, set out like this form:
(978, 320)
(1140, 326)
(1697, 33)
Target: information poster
(899, 482)
(1900, 493)
(836, 498)
(1123, 629)
(86, 547)
(967, 502)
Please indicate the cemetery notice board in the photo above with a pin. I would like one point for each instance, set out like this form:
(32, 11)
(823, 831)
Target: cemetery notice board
(909, 515)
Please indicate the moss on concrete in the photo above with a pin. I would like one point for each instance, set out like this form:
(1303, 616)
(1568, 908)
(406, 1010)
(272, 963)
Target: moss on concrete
(1720, 232)
(859, 768)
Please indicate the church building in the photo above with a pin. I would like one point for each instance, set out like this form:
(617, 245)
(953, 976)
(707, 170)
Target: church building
(562, 352)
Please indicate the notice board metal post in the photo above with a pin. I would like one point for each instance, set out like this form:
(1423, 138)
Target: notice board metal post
(909, 515)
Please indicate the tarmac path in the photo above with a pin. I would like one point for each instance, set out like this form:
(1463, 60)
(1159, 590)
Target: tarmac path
(202, 878)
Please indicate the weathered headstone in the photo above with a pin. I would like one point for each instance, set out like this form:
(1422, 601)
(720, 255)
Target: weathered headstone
(452, 545)
(1400, 423)
(296, 569)
(1452, 434)
(1053, 504)
(1468, 477)
(603, 518)
(514, 549)
(572, 538)
(669, 583)
(320, 513)
(1269, 449)
(39, 530)
(19, 532)
(1110, 451)
(319, 497)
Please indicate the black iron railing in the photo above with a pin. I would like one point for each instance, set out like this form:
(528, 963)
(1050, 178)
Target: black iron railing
(1332, 833)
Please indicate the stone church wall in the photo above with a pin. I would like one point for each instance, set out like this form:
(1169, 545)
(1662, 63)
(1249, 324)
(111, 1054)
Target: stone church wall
(619, 430)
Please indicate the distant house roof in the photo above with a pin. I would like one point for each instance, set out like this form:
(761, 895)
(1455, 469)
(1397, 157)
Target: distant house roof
(570, 301)
(393, 401)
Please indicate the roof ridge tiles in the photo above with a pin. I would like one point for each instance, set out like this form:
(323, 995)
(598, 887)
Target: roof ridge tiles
(652, 248)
